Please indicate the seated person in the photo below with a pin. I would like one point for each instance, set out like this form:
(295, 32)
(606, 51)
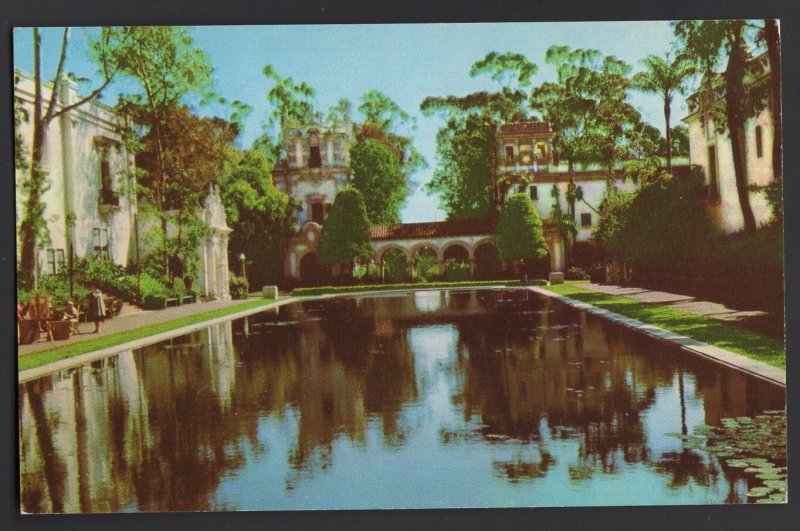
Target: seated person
(22, 312)
(70, 312)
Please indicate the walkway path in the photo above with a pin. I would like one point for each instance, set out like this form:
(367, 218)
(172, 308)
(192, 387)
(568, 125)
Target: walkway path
(127, 322)
(756, 320)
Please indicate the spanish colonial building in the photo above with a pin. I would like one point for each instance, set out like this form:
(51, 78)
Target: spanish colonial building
(90, 177)
(711, 150)
(315, 167)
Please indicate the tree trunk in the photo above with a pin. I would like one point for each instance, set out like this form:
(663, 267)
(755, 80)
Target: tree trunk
(668, 132)
(33, 206)
(772, 36)
(734, 92)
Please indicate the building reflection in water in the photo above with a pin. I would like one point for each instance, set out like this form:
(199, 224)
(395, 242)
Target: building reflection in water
(504, 384)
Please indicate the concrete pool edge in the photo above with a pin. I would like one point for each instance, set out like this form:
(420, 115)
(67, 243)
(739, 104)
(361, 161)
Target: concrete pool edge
(692, 346)
(88, 357)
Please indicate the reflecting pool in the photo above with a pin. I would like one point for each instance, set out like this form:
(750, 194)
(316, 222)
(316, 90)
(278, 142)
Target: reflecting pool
(490, 398)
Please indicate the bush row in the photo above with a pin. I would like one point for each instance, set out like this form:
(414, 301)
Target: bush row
(322, 290)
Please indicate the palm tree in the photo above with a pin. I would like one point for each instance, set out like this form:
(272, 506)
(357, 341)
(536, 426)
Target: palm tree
(664, 77)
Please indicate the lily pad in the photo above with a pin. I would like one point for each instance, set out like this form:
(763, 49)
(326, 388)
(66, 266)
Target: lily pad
(737, 463)
(757, 492)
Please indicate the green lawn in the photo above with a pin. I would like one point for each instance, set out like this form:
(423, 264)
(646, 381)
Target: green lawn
(327, 290)
(755, 346)
(37, 359)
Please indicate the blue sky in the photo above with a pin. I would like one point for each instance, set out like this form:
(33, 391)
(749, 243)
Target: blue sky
(405, 61)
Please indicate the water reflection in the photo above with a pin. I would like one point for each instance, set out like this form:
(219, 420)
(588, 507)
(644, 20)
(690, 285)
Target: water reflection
(489, 398)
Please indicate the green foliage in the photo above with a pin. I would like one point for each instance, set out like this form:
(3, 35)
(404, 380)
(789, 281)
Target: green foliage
(308, 292)
(376, 173)
(293, 103)
(239, 288)
(426, 266)
(395, 266)
(636, 226)
(506, 68)
(462, 179)
(519, 230)
(261, 216)
(455, 271)
(150, 286)
(111, 278)
(345, 236)
(773, 193)
(57, 287)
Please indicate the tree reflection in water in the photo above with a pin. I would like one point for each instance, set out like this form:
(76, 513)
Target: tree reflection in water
(524, 389)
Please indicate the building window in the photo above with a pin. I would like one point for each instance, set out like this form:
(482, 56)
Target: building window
(713, 186)
(759, 142)
(100, 239)
(56, 261)
(317, 212)
(314, 160)
(542, 153)
(709, 128)
(586, 219)
(534, 192)
(509, 152)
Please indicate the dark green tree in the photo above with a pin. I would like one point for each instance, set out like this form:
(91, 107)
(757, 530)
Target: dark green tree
(519, 233)
(261, 216)
(345, 237)
(377, 175)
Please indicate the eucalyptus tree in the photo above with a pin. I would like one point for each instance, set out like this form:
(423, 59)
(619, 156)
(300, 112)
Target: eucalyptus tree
(708, 43)
(664, 76)
(33, 227)
(466, 145)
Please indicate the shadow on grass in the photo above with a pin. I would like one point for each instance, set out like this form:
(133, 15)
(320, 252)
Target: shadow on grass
(739, 340)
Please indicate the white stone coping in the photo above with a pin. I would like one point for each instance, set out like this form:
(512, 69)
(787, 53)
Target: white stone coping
(686, 344)
(82, 359)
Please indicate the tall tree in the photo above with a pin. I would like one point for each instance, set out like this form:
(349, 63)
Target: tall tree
(376, 173)
(465, 178)
(45, 110)
(166, 68)
(261, 216)
(664, 76)
(772, 37)
(519, 233)
(345, 236)
(707, 43)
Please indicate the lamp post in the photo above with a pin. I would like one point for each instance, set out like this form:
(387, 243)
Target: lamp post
(242, 260)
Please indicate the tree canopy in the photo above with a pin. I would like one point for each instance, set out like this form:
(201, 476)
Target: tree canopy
(377, 175)
(519, 233)
(346, 233)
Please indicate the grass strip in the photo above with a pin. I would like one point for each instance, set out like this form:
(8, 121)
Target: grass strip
(326, 290)
(739, 340)
(43, 357)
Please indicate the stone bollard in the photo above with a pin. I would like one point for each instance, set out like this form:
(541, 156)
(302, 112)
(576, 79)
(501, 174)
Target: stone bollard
(556, 277)
(269, 292)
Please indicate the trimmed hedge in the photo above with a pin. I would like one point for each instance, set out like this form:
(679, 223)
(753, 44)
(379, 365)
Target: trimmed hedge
(323, 290)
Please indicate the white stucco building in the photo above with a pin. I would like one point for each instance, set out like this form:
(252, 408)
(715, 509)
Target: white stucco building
(712, 151)
(90, 177)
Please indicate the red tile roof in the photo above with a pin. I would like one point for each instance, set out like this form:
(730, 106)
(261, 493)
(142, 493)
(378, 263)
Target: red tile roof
(529, 127)
(435, 229)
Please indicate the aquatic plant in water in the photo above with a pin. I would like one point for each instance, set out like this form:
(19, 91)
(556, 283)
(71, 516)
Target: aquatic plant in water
(755, 445)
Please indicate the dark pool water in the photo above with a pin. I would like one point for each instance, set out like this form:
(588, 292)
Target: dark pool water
(430, 399)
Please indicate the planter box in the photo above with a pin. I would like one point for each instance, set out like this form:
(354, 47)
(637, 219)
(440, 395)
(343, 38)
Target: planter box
(60, 329)
(28, 332)
(269, 292)
(557, 277)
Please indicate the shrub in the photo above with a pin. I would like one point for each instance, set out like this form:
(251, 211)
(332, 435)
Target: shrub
(109, 277)
(576, 273)
(150, 287)
(239, 286)
(300, 292)
(426, 267)
(454, 271)
(57, 287)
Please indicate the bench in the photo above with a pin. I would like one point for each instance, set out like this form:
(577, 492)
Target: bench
(186, 299)
(171, 301)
